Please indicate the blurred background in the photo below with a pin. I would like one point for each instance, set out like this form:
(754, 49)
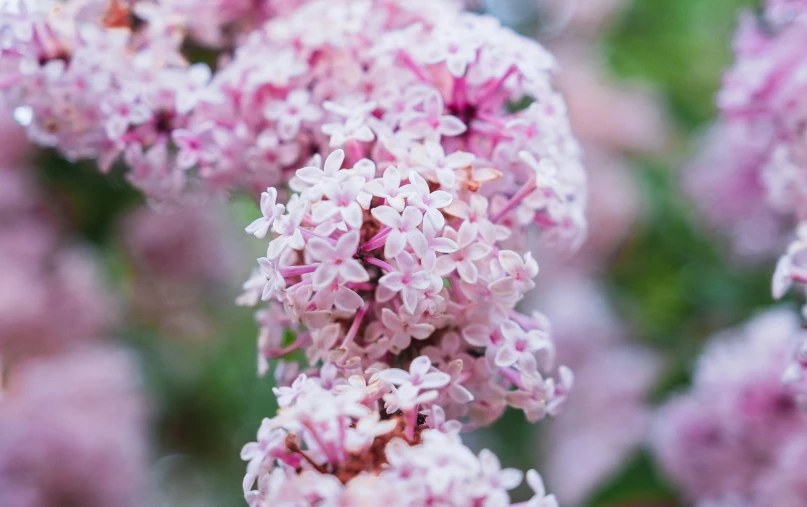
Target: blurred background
(655, 278)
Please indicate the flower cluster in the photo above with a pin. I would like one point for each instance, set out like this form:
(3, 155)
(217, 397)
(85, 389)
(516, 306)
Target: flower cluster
(182, 261)
(395, 258)
(73, 432)
(97, 79)
(761, 130)
(608, 416)
(732, 439)
(724, 180)
(51, 294)
(63, 398)
(374, 269)
(404, 239)
(360, 441)
(402, 81)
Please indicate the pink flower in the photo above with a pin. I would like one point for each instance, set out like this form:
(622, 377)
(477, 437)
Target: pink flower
(722, 438)
(274, 284)
(431, 121)
(336, 261)
(292, 112)
(96, 420)
(411, 284)
(520, 273)
(389, 188)
(518, 342)
(404, 327)
(419, 375)
(456, 45)
(271, 211)
(312, 180)
(427, 201)
(469, 252)
(403, 230)
(191, 147)
(342, 202)
(354, 126)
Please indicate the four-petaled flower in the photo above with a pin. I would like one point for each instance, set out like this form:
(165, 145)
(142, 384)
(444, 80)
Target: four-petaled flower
(336, 261)
(404, 327)
(270, 210)
(427, 201)
(406, 280)
(404, 230)
(291, 112)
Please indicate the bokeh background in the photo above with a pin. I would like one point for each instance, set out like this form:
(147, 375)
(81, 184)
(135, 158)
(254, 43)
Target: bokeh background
(668, 283)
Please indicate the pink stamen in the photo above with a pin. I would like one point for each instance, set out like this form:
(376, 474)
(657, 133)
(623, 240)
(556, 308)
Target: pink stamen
(411, 420)
(356, 150)
(360, 286)
(275, 353)
(459, 93)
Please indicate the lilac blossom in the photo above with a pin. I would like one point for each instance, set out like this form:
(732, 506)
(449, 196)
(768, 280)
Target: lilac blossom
(182, 259)
(94, 420)
(51, 290)
(354, 291)
(732, 436)
(416, 223)
(347, 445)
(761, 106)
(373, 84)
(727, 171)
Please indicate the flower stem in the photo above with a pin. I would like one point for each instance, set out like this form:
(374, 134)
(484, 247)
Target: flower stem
(515, 200)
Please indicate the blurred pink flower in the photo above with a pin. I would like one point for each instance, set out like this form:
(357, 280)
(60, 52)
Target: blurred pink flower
(584, 17)
(727, 185)
(183, 260)
(72, 432)
(609, 114)
(607, 417)
(730, 434)
(51, 292)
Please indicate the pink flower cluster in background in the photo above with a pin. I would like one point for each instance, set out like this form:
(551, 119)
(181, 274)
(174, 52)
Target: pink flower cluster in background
(755, 155)
(737, 436)
(72, 421)
(51, 292)
(73, 431)
(724, 182)
(750, 178)
(183, 261)
(608, 414)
